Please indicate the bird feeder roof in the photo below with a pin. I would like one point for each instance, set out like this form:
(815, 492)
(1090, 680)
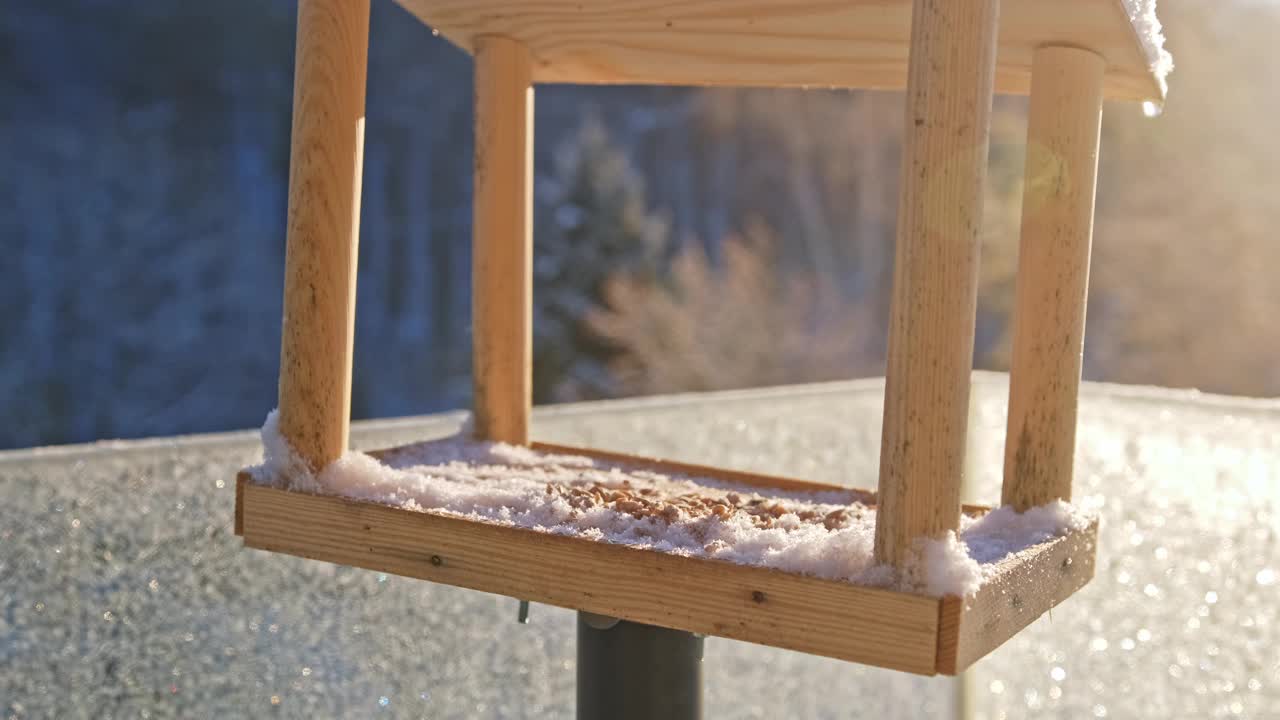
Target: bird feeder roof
(791, 43)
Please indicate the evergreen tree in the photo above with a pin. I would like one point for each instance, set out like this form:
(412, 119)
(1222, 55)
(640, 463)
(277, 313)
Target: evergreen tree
(593, 223)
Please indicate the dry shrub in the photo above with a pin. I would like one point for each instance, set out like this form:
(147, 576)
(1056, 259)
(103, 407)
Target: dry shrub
(739, 323)
(1185, 253)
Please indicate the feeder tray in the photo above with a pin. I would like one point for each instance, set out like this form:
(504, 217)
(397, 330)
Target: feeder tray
(951, 56)
(870, 625)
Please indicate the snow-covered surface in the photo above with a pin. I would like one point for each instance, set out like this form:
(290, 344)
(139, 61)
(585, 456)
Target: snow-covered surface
(123, 592)
(1142, 13)
(828, 534)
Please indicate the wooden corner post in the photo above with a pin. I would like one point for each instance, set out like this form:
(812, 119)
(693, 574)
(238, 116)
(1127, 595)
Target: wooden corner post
(325, 160)
(1063, 128)
(502, 241)
(950, 79)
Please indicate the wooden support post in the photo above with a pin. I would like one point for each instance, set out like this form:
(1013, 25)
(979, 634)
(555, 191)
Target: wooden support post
(502, 243)
(1063, 127)
(944, 167)
(323, 227)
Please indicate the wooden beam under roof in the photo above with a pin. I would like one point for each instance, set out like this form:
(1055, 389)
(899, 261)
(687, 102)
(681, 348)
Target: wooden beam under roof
(780, 43)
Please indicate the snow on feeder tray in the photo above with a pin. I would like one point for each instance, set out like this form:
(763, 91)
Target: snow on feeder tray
(905, 577)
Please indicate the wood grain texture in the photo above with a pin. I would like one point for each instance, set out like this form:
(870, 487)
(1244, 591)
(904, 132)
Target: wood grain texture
(1063, 126)
(935, 278)
(323, 227)
(822, 617)
(1026, 587)
(502, 241)
(774, 43)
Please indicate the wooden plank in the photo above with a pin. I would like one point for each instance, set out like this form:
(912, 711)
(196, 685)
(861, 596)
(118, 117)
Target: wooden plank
(1025, 588)
(502, 244)
(323, 227)
(1063, 132)
(822, 617)
(775, 43)
(935, 277)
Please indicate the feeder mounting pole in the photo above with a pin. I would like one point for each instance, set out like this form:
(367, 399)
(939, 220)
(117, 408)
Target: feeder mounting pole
(630, 671)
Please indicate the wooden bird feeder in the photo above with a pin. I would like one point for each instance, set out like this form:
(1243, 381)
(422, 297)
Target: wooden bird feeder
(951, 57)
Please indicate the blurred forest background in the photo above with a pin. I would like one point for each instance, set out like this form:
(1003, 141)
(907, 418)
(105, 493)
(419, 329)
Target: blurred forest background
(685, 239)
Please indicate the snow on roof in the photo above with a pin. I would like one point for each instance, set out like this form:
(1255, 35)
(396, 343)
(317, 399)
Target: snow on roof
(1142, 13)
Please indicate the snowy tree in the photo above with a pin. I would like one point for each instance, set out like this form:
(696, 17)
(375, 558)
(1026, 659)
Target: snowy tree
(593, 224)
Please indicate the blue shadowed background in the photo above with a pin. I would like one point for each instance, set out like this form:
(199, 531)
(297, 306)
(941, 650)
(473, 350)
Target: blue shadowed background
(686, 239)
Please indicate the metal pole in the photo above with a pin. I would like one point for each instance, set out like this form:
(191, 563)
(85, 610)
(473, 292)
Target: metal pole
(629, 671)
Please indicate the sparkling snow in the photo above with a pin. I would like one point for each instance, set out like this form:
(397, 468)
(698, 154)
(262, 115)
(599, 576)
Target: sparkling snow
(202, 627)
(1142, 13)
